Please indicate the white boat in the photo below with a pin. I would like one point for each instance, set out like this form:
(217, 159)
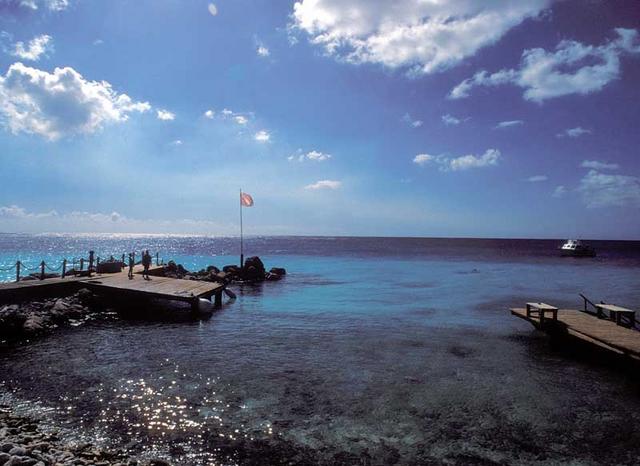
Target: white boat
(576, 248)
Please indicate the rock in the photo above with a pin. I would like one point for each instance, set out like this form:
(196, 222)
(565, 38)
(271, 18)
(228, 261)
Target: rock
(213, 269)
(86, 297)
(17, 451)
(254, 262)
(278, 271)
(4, 457)
(158, 462)
(231, 269)
(34, 325)
(11, 319)
(272, 277)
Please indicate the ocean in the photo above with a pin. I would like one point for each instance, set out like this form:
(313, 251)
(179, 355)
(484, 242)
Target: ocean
(370, 351)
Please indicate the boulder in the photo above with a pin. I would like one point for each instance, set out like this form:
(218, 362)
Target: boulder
(213, 269)
(34, 325)
(231, 269)
(86, 297)
(256, 263)
(11, 319)
(278, 271)
(171, 267)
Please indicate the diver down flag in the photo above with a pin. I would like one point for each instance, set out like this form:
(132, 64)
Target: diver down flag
(245, 200)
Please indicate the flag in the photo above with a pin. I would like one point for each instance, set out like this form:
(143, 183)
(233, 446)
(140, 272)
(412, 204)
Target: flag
(246, 200)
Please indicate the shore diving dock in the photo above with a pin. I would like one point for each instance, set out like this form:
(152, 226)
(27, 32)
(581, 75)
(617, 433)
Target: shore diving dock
(119, 285)
(605, 333)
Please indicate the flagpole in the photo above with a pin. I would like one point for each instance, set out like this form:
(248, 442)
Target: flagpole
(241, 239)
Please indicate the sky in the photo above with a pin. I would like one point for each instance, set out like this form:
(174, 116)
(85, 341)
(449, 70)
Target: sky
(340, 117)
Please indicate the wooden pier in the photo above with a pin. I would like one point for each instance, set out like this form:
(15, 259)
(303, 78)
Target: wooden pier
(119, 284)
(601, 332)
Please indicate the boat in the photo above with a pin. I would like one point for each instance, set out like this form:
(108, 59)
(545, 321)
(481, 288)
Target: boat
(576, 248)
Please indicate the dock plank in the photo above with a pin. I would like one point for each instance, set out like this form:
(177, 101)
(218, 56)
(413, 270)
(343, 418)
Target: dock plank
(119, 283)
(592, 329)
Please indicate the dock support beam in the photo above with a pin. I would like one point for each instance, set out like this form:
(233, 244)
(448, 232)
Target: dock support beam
(218, 299)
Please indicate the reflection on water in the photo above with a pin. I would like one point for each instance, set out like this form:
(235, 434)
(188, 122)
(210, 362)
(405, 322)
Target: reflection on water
(352, 359)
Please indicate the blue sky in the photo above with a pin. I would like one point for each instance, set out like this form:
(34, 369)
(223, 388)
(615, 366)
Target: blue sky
(340, 117)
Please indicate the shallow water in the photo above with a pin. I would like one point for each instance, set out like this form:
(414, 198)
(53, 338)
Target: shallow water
(370, 351)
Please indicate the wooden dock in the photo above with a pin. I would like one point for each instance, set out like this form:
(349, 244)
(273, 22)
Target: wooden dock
(119, 284)
(588, 328)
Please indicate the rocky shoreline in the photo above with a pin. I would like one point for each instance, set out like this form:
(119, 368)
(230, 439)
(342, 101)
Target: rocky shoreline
(40, 317)
(23, 443)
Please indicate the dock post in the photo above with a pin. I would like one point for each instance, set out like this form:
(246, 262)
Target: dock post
(64, 267)
(91, 253)
(42, 270)
(218, 299)
(81, 263)
(157, 258)
(18, 264)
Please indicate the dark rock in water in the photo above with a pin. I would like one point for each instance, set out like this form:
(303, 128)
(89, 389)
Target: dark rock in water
(157, 462)
(278, 271)
(213, 269)
(256, 263)
(272, 277)
(251, 273)
(231, 269)
(171, 267)
(28, 278)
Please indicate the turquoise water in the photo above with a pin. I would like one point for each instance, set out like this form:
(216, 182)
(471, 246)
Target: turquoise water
(370, 351)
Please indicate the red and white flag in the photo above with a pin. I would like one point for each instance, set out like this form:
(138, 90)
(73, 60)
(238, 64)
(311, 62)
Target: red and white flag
(246, 200)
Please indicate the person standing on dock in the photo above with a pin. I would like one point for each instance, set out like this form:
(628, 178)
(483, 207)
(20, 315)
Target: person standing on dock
(132, 262)
(146, 263)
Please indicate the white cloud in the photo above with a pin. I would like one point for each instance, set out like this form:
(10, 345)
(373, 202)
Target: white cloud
(509, 124)
(209, 114)
(537, 178)
(574, 132)
(213, 10)
(241, 120)
(596, 165)
(324, 184)
(491, 157)
(177, 142)
(262, 136)
(57, 5)
(411, 122)
(61, 103)
(98, 42)
(165, 115)
(313, 155)
(559, 192)
(423, 36)
(604, 190)
(450, 120)
(262, 51)
(422, 159)
(52, 5)
(572, 68)
(34, 49)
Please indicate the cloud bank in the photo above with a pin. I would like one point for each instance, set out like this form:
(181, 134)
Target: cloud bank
(61, 103)
(421, 36)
